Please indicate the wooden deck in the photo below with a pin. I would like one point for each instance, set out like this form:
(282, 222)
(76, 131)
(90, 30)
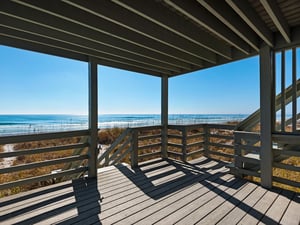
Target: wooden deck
(162, 192)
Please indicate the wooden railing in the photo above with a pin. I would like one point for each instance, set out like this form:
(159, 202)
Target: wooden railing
(189, 141)
(247, 153)
(133, 146)
(286, 146)
(35, 157)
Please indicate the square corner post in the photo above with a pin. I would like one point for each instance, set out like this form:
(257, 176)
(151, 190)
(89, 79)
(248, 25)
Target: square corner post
(267, 94)
(164, 115)
(93, 117)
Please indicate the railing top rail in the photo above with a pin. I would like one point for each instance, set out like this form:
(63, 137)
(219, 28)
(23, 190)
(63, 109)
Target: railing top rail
(146, 127)
(42, 136)
(200, 125)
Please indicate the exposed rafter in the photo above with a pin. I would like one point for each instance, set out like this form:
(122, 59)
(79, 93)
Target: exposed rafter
(30, 28)
(157, 39)
(226, 15)
(248, 14)
(202, 17)
(157, 14)
(276, 15)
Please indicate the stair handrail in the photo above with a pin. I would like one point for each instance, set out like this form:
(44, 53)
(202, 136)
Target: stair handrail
(254, 118)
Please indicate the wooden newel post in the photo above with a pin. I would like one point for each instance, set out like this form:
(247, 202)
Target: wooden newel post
(205, 139)
(164, 116)
(135, 146)
(184, 144)
(238, 164)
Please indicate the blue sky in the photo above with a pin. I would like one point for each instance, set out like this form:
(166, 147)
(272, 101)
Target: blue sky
(33, 83)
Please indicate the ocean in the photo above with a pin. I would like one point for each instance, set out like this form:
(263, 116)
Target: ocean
(29, 124)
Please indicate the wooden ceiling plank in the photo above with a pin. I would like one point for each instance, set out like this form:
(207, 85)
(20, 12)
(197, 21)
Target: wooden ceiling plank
(160, 15)
(83, 18)
(226, 15)
(57, 35)
(277, 17)
(201, 16)
(248, 14)
(38, 18)
(48, 44)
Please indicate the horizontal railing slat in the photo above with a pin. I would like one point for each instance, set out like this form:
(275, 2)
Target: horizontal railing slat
(175, 153)
(156, 127)
(42, 178)
(227, 137)
(142, 138)
(149, 146)
(175, 145)
(286, 181)
(195, 152)
(177, 136)
(287, 138)
(41, 164)
(42, 150)
(147, 155)
(220, 145)
(43, 136)
(247, 135)
(220, 154)
(199, 135)
(195, 144)
(286, 166)
(221, 126)
(287, 152)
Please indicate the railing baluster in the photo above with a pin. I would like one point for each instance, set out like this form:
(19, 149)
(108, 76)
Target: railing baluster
(184, 144)
(135, 146)
(206, 131)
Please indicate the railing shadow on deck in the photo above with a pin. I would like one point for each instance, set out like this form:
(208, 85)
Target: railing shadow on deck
(82, 191)
(192, 175)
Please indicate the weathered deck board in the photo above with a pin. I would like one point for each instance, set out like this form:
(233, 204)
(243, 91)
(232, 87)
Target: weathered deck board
(159, 191)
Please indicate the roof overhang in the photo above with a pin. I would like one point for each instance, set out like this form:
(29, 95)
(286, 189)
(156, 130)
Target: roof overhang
(161, 38)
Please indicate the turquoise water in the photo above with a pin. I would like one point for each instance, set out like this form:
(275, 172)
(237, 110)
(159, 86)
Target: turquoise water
(25, 124)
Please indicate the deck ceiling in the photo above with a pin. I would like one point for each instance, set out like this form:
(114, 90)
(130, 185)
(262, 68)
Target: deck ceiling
(162, 37)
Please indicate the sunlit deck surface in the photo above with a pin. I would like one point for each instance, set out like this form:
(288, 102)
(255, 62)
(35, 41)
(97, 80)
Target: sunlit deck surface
(164, 192)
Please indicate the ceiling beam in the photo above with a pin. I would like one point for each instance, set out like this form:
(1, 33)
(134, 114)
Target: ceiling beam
(201, 16)
(29, 42)
(158, 40)
(128, 20)
(161, 16)
(68, 38)
(41, 19)
(277, 17)
(249, 15)
(226, 15)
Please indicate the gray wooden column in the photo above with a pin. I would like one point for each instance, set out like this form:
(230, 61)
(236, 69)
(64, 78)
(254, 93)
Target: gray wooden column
(164, 115)
(266, 114)
(93, 118)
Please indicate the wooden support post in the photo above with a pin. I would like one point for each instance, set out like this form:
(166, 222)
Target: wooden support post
(238, 164)
(184, 144)
(135, 146)
(294, 86)
(266, 114)
(206, 131)
(93, 118)
(164, 116)
(282, 100)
